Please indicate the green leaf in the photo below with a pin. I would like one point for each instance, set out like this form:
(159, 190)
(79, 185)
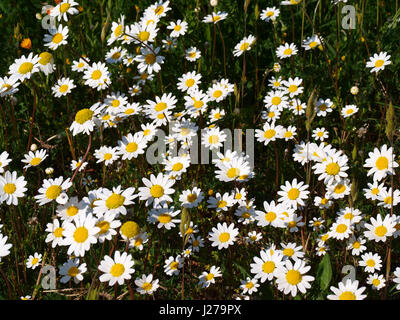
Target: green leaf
(324, 272)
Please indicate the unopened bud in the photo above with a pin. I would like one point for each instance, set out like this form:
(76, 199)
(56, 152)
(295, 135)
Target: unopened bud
(33, 147)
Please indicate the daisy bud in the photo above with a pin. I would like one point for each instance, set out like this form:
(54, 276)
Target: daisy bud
(277, 67)
(354, 90)
(49, 170)
(213, 3)
(33, 147)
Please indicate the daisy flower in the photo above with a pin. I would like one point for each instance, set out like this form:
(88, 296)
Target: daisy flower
(381, 163)
(276, 100)
(396, 278)
(129, 230)
(244, 45)
(139, 240)
(107, 224)
(46, 63)
(160, 8)
(320, 134)
(78, 164)
(4, 161)
(387, 199)
(107, 155)
(289, 133)
(270, 215)
(12, 188)
(189, 81)
(178, 28)
(378, 61)
(55, 233)
(72, 270)
(249, 285)
(374, 190)
(164, 216)
(269, 14)
(379, 229)
(146, 284)
(9, 85)
(223, 235)
(287, 50)
(132, 145)
(114, 201)
(157, 189)
(270, 132)
(80, 65)
(149, 60)
(192, 54)
(311, 42)
(221, 202)
(24, 67)
(72, 209)
(338, 190)
(349, 110)
(376, 281)
(80, 234)
(4, 246)
(172, 265)
(33, 261)
(207, 278)
(267, 265)
(215, 17)
(115, 55)
(293, 194)
(293, 222)
(372, 262)
(63, 87)
(117, 30)
(322, 203)
(356, 245)
(292, 277)
(213, 138)
(217, 92)
(85, 119)
(253, 237)
(348, 290)
(97, 76)
(332, 170)
(292, 251)
(65, 7)
(323, 107)
(33, 159)
(169, 43)
(340, 229)
(116, 270)
(56, 37)
(293, 86)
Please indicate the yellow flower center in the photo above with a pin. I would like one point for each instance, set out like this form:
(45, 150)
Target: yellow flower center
(150, 58)
(213, 139)
(53, 192)
(189, 82)
(164, 218)
(72, 211)
(376, 282)
(244, 46)
(268, 266)
(287, 51)
(379, 63)
(224, 237)
(177, 167)
(57, 38)
(375, 191)
(115, 201)
(323, 107)
(356, 245)
(350, 111)
(81, 234)
(270, 216)
(118, 31)
(83, 115)
(130, 229)
(370, 263)
(104, 226)
(388, 200)
(64, 7)
(233, 173)
(9, 188)
(174, 265)
(209, 277)
(341, 228)
(288, 252)
(313, 44)
(332, 169)
(58, 232)
(147, 286)
(192, 197)
(221, 204)
(380, 231)
(96, 74)
(177, 28)
(347, 295)
(293, 277)
(382, 163)
(25, 68)
(339, 188)
(144, 35)
(73, 271)
(269, 133)
(35, 261)
(45, 58)
(276, 101)
(117, 270)
(293, 193)
(107, 156)
(293, 88)
(132, 147)
(157, 191)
